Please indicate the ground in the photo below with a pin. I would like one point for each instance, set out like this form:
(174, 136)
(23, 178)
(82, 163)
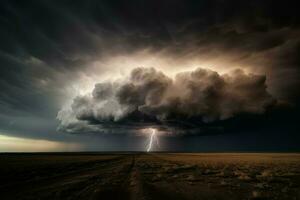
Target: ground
(150, 176)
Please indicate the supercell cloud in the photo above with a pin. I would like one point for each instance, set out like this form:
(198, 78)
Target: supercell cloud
(51, 52)
(150, 98)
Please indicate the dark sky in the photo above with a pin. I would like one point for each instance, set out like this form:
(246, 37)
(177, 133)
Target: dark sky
(53, 53)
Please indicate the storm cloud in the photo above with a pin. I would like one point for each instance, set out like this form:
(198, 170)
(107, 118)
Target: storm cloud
(148, 97)
(53, 52)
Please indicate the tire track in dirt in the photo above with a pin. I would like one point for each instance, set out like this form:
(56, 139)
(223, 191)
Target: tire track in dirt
(150, 167)
(117, 186)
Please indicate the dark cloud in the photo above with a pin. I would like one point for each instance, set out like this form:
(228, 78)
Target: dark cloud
(48, 46)
(150, 98)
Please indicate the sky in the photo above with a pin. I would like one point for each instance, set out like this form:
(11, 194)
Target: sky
(207, 75)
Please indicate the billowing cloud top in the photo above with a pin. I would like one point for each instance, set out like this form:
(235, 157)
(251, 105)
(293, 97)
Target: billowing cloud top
(148, 97)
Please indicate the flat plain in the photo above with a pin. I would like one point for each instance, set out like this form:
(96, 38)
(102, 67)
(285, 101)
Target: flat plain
(150, 176)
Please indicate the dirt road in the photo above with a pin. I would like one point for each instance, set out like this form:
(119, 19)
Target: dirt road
(150, 176)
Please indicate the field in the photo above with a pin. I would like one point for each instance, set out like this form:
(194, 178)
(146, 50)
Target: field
(150, 176)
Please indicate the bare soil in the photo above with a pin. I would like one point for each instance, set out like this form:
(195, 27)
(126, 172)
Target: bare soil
(166, 176)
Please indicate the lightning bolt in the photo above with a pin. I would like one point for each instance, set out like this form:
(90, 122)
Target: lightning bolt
(152, 137)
